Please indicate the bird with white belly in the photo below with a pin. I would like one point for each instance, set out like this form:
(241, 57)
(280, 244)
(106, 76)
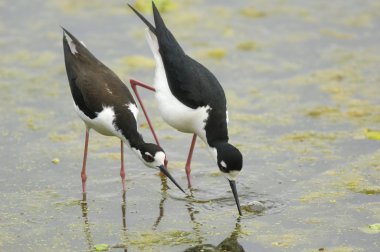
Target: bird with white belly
(105, 104)
(191, 99)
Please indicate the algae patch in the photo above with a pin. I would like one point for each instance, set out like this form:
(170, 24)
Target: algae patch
(247, 46)
(252, 12)
(216, 53)
(55, 160)
(372, 134)
(144, 240)
(137, 62)
(371, 229)
(162, 5)
(102, 247)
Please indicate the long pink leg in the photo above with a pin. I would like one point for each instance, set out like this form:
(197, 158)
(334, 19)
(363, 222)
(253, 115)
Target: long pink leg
(83, 173)
(134, 84)
(188, 162)
(122, 172)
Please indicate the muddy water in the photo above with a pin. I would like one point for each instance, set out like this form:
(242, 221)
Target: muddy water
(302, 81)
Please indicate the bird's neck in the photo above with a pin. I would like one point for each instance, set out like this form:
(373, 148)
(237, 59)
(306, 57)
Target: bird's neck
(214, 153)
(134, 139)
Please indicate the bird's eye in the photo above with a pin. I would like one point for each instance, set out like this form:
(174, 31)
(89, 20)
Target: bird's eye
(148, 157)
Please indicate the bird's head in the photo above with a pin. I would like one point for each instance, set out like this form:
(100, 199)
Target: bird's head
(229, 159)
(230, 163)
(153, 156)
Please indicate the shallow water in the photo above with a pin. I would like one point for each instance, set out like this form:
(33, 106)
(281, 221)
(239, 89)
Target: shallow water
(302, 82)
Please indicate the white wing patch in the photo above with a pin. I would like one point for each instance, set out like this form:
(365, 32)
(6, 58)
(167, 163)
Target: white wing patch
(132, 107)
(103, 123)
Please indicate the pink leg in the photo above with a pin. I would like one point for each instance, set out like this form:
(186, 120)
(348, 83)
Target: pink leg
(188, 162)
(134, 84)
(122, 172)
(83, 173)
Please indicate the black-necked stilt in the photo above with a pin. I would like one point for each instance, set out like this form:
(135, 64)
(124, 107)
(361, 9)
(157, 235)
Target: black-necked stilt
(105, 104)
(191, 99)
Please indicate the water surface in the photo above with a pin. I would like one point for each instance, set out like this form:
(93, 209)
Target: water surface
(302, 81)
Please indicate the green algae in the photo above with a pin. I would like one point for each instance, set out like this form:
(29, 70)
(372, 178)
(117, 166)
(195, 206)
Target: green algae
(147, 240)
(215, 53)
(352, 100)
(55, 160)
(162, 5)
(33, 119)
(247, 46)
(372, 134)
(323, 111)
(102, 247)
(359, 184)
(322, 196)
(286, 240)
(88, 8)
(252, 12)
(62, 137)
(371, 229)
(137, 62)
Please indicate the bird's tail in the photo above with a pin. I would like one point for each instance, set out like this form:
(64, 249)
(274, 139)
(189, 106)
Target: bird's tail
(150, 26)
(73, 45)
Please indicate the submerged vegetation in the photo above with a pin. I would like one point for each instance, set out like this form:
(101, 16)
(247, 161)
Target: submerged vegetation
(302, 85)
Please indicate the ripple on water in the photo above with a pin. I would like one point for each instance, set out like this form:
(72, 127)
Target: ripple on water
(253, 204)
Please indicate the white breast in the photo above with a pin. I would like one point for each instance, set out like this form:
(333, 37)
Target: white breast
(175, 113)
(103, 123)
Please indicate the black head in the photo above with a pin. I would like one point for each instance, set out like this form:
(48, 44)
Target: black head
(154, 156)
(230, 162)
(229, 158)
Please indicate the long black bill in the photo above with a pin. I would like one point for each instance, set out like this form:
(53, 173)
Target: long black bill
(167, 174)
(234, 191)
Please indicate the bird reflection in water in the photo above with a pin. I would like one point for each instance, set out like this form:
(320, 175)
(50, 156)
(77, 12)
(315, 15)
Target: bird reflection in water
(124, 220)
(86, 225)
(230, 244)
(164, 193)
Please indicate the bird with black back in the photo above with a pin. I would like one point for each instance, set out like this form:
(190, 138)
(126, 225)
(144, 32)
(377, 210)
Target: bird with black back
(191, 99)
(105, 104)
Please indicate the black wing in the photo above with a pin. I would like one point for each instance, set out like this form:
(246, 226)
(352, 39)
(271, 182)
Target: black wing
(191, 82)
(93, 84)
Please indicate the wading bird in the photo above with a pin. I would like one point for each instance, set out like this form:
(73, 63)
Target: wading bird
(105, 104)
(190, 99)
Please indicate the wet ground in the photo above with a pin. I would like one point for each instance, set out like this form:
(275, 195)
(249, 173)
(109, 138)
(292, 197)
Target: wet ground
(303, 83)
